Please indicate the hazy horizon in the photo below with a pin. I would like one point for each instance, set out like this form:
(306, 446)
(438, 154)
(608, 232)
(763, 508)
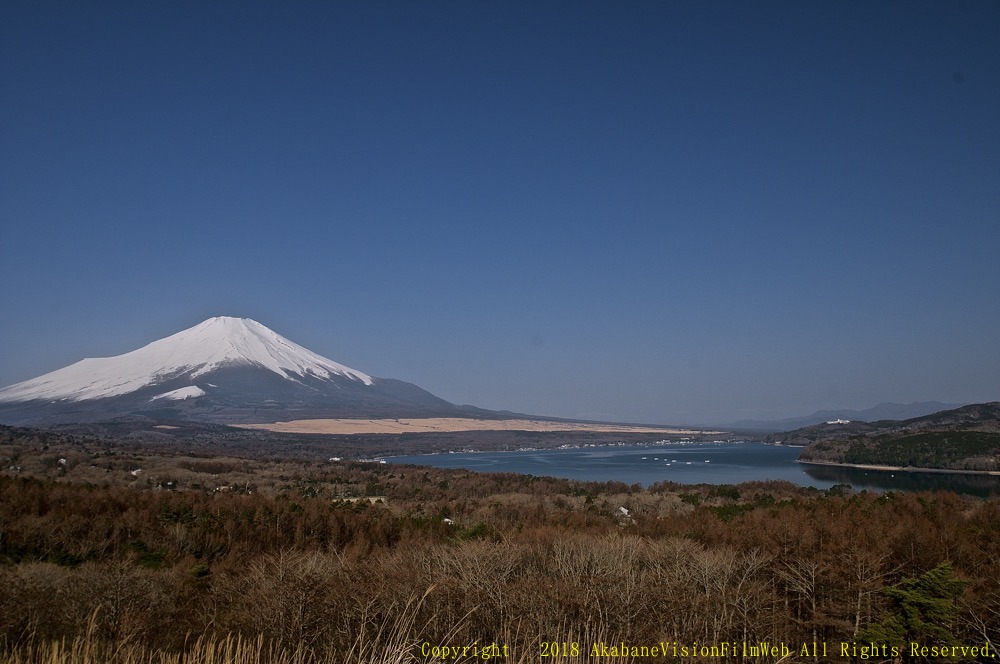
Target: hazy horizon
(654, 213)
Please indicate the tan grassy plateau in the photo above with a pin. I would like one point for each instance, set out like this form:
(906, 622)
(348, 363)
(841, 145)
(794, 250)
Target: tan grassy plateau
(452, 424)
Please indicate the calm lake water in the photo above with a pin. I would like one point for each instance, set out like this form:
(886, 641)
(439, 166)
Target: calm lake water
(699, 463)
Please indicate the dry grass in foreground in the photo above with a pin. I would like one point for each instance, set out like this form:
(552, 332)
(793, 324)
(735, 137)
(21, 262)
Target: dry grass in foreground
(391, 644)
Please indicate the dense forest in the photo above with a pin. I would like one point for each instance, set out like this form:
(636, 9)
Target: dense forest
(956, 450)
(360, 562)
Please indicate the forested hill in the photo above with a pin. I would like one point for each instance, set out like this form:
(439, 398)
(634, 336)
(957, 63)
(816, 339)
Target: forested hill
(966, 438)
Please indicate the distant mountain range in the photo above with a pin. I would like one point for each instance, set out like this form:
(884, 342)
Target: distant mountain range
(229, 370)
(223, 370)
(883, 411)
(966, 438)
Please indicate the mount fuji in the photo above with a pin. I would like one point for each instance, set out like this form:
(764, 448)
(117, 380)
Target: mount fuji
(224, 370)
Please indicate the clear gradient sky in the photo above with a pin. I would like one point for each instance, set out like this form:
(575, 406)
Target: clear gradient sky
(672, 212)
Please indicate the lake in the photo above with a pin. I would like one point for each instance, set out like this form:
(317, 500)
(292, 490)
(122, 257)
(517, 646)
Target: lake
(699, 463)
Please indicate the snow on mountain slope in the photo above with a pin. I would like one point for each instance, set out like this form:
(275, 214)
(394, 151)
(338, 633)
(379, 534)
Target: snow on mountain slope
(213, 344)
(181, 394)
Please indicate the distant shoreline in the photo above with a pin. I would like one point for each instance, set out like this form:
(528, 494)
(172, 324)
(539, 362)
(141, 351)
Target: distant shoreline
(902, 469)
(456, 424)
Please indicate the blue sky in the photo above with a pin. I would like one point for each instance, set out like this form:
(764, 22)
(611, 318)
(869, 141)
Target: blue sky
(684, 212)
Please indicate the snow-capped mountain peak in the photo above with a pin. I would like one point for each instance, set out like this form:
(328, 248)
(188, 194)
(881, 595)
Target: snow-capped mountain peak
(216, 343)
